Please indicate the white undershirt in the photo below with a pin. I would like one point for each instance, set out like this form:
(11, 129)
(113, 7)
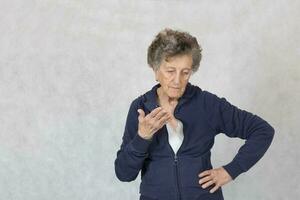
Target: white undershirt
(175, 136)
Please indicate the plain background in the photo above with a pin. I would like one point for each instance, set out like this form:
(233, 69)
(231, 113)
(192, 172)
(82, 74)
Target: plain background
(70, 69)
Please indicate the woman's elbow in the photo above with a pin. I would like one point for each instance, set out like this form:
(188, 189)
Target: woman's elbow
(122, 175)
(125, 178)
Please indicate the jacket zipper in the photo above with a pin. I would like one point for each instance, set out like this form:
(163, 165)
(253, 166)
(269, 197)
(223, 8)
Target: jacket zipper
(176, 159)
(177, 176)
(176, 169)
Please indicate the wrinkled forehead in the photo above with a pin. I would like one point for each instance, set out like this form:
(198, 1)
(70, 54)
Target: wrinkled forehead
(176, 66)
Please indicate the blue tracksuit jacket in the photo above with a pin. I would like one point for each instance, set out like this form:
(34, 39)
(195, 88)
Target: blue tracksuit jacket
(166, 176)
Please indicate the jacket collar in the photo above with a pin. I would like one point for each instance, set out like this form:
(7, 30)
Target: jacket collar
(150, 97)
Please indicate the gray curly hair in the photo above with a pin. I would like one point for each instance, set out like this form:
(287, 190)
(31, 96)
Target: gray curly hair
(168, 43)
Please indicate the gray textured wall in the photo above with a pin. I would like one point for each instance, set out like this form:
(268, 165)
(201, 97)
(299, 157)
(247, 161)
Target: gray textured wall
(70, 69)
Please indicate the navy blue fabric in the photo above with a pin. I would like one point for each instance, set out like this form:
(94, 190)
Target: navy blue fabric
(204, 115)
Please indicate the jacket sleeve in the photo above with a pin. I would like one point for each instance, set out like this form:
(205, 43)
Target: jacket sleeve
(234, 122)
(133, 150)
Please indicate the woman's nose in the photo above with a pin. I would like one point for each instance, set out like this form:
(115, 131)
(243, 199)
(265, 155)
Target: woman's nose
(177, 79)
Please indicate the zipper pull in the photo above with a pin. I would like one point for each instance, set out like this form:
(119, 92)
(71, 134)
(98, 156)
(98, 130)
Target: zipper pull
(175, 158)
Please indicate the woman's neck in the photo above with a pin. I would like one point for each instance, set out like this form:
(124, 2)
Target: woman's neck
(163, 98)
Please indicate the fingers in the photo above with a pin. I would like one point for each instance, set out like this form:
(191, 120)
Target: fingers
(157, 114)
(161, 114)
(154, 112)
(214, 177)
(162, 117)
(141, 114)
(214, 189)
(153, 121)
(205, 179)
(208, 183)
(163, 120)
(208, 180)
(205, 173)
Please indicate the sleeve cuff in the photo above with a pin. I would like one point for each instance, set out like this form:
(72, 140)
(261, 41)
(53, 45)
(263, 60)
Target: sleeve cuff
(233, 169)
(140, 144)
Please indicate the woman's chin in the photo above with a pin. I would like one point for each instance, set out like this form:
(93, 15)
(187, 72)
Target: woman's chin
(174, 95)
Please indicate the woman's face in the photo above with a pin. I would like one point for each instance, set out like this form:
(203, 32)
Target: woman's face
(174, 75)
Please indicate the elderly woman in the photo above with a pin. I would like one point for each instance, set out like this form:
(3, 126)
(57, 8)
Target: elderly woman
(170, 129)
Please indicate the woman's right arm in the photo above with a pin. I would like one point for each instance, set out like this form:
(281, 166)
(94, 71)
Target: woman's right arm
(133, 150)
(137, 138)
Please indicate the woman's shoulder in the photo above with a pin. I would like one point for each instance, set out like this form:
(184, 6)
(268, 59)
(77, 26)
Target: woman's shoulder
(210, 99)
(205, 94)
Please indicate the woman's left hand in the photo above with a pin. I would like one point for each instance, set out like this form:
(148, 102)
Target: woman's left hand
(218, 176)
